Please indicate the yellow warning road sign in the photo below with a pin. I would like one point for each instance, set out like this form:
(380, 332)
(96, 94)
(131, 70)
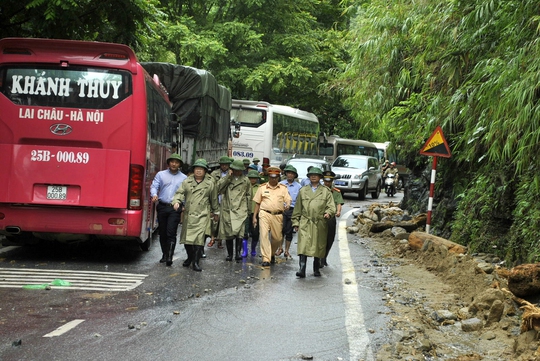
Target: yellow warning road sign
(436, 145)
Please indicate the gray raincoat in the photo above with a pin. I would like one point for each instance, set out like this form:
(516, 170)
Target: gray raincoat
(200, 202)
(235, 206)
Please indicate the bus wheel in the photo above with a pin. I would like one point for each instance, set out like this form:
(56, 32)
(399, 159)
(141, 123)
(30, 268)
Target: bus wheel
(363, 192)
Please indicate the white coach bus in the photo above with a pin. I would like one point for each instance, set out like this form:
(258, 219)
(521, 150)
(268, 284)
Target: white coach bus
(272, 133)
(334, 146)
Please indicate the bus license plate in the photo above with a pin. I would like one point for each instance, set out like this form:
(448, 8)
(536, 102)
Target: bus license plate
(57, 192)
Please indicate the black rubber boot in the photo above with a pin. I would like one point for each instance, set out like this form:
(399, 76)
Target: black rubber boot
(302, 261)
(198, 254)
(230, 247)
(190, 256)
(238, 249)
(163, 258)
(316, 266)
(170, 255)
(254, 247)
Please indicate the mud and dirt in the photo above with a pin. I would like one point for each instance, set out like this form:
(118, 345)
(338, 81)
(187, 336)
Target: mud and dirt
(447, 306)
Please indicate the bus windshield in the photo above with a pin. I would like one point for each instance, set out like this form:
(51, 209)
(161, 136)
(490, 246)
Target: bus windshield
(69, 88)
(335, 146)
(248, 117)
(356, 149)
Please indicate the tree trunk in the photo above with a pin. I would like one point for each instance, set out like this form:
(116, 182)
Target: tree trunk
(524, 280)
(418, 240)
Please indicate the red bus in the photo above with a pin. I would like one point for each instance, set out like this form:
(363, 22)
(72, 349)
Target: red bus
(83, 131)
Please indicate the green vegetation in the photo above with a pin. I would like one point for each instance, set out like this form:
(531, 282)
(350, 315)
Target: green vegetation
(374, 69)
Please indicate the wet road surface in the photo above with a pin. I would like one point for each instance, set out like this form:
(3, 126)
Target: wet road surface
(230, 311)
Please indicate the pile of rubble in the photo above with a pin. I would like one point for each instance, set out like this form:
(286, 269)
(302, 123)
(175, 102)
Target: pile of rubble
(448, 304)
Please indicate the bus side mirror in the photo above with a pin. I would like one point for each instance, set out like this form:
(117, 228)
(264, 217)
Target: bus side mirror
(322, 138)
(235, 129)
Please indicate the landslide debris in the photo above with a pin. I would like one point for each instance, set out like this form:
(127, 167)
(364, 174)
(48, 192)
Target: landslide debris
(446, 304)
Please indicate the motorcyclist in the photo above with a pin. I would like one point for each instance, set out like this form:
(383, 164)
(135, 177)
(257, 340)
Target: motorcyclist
(392, 170)
(385, 166)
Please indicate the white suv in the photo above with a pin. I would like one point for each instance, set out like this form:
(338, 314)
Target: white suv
(359, 174)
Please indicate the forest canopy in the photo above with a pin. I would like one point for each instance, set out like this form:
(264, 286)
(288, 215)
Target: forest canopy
(376, 70)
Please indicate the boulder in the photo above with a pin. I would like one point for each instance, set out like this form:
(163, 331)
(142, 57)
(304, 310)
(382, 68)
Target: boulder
(495, 313)
(398, 230)
(371, 215)
(472, 324)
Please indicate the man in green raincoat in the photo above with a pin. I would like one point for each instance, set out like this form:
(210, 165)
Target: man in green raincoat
(235, 190)
(222, 171)
(198, 196)
(314, 205)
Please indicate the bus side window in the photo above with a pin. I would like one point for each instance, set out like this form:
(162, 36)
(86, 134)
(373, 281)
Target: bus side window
(294, 142)
(279, 138)
(301, 143)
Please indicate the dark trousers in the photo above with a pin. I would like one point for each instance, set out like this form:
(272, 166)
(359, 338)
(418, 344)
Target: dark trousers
(253, 231)
(168, 220)
(331, 235)
(287, 224)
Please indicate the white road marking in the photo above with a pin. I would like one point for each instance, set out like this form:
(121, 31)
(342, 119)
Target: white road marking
(64, 328)
(359, 344)
(80, 280)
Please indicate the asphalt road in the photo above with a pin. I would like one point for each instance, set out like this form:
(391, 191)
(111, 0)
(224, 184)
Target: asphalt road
(122, 304)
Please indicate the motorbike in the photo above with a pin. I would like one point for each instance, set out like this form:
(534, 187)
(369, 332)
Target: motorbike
(389, 186)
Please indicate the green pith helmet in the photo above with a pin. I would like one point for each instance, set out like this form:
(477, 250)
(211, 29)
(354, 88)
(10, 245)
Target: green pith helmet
(253, 174)
(246, 161)
(225, 160)
(237, 165)
(290, 168)
(175, 156)
(200, 163)
(255, 160)
(315, 171)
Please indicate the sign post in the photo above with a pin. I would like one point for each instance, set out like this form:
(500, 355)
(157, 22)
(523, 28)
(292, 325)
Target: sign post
(436, 146)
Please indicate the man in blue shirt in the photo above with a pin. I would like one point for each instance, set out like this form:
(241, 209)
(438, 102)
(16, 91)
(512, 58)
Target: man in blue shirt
(305, 181)
(162, 191)
(256, 162)
(293, 187)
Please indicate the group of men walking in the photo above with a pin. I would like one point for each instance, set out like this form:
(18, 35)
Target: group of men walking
(230, 206)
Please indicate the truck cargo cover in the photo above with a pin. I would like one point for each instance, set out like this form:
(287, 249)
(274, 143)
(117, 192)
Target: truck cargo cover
(202, 105)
